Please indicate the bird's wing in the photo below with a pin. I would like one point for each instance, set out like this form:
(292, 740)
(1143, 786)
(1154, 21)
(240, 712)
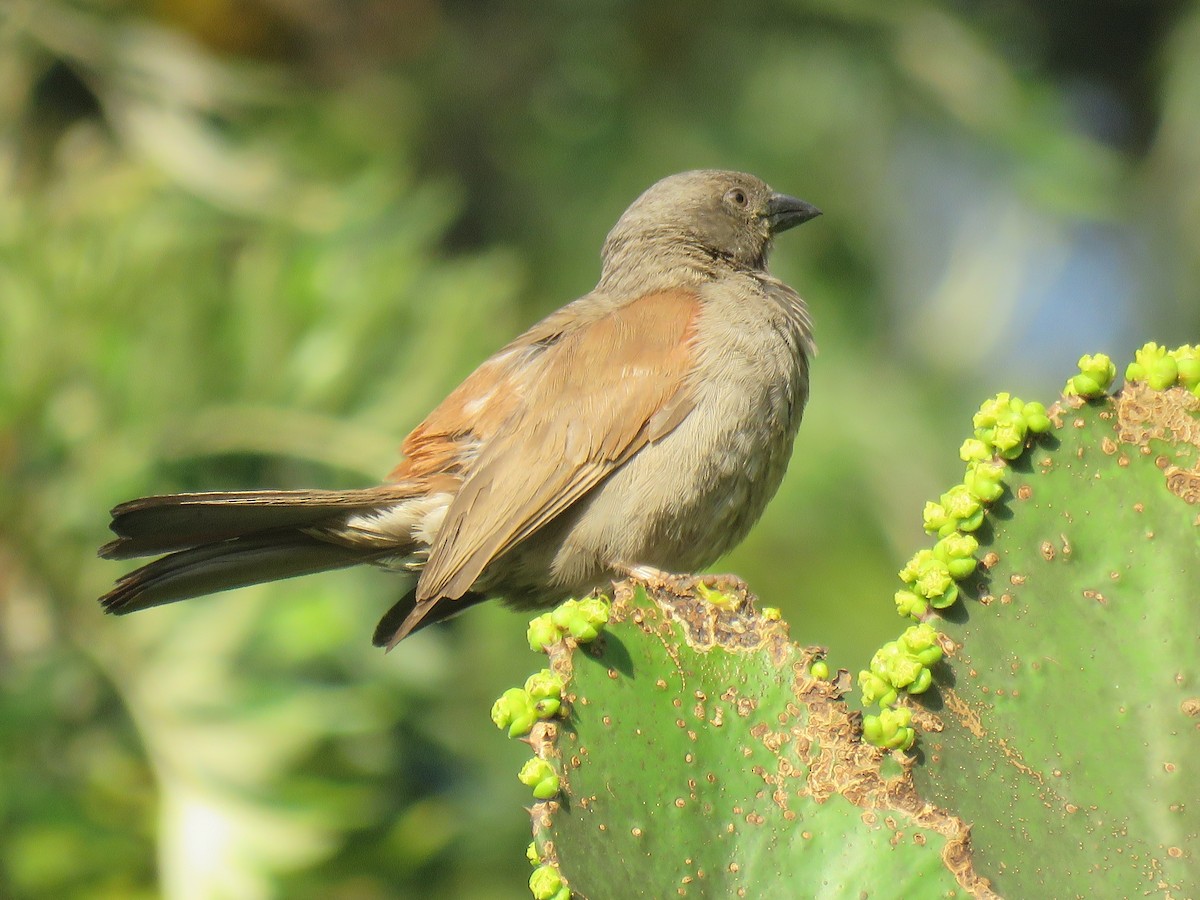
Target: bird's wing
(547, 419)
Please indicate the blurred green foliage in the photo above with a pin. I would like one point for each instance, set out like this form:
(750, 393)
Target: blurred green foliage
(251, 243)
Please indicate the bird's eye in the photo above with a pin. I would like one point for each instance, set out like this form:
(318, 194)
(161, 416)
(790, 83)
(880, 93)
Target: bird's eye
(736, 196)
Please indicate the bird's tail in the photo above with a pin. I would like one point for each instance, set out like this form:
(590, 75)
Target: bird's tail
(218, 541)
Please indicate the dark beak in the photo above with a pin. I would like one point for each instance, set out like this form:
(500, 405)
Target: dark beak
(784, 212)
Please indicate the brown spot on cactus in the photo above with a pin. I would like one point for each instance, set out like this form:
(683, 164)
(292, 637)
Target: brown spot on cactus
(966, 716)
(1184, 483)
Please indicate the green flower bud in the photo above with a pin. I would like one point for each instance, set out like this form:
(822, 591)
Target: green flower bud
(1096, 373)
(1163, 375)
(957, 550)
(921, 683)
(914, 567)
(973, 450)
(872, 730)
(909, 604)
(903, 739)
(546, 788)
(1009, 438)
(890, 729)
(960, 503)
(595, 609)
(771, 613)
(546, 884)
(582, 618)
(900, 717)
(586, 617)
(547, 707)
(990, 470)
(543, 684)
(984, 481)
(1154, 365)
(971, 523)
(583, 630)
(930, 578)
(1100, 368)
(531, 854)
(562, 614)
(895, 665)
(879, 662)
(930, 655)
(819, 670)
(542, 633)
(919, 637)
(947, 598)
(539, 775)
(875, 689)
(1187, 360)
(994, 410)
(1035, 417)
(934, 516)
(514, 711)
(962, 568)
(545, 690)
(955, 546)
(933, 580)
(1083, 386)
(922, 641)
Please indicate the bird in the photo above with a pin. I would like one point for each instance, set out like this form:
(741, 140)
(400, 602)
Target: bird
(641, 428)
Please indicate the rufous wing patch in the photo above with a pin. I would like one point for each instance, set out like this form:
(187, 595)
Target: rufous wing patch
(577, 409)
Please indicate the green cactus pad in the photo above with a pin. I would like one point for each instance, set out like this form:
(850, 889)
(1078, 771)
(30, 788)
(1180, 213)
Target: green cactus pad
(700, 757)
(698, 752)
(1065, 720)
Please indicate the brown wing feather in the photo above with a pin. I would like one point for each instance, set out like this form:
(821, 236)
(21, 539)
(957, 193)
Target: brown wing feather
(566, 413)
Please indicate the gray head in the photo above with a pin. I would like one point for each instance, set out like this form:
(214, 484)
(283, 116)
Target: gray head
(705, 215)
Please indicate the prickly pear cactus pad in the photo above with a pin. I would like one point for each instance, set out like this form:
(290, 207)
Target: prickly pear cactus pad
(1064, 721)
(696, 754)
(1033, 732)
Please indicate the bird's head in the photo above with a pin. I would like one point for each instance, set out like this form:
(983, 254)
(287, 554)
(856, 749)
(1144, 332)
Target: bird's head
(723, 215)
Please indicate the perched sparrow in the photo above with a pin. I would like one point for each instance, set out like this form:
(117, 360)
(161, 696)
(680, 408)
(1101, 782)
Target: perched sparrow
(642, 427)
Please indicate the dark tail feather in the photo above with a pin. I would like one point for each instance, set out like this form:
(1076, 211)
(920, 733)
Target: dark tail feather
(228, 564)
(407, 616)
(219, 541)
(155, 525)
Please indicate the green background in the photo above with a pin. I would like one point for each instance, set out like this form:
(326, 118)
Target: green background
(250, 244)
